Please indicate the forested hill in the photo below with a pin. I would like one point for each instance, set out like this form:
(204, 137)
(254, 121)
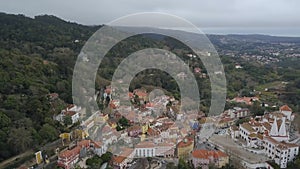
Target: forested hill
(37, 58)
(46, 31)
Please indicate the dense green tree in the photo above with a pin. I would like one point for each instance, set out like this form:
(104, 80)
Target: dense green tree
(20, 139)
(106, 157)
(67, 120)
(94, 162)
(123, 122)
(4, 120)
(48, 132)
(182, 164)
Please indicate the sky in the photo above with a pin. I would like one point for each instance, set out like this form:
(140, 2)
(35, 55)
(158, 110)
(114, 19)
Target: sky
(280, 17)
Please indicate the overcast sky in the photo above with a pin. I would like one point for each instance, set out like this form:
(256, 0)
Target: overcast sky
(216, 14)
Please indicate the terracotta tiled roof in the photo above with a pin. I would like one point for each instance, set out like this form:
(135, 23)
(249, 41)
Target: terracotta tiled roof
(141, 93)
(185, 142)
(108, 91)
(270, 139)
(166, 144)
(130, 116)
(130, 94)
(97, 144)
(281, 145)
(206, 154)
(285, 108)
(152, 132)
(134, 128)
(126, 152)
(145, 144)
(70, 106)
(70, 113)
(69, 153)
(84, 143)
(219, 154)
(118, 159)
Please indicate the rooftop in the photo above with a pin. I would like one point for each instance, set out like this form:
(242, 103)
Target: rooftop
(206, 154)
(145, 144)
(248, 127)
(185, 142)
(285, 108)
(69, 153)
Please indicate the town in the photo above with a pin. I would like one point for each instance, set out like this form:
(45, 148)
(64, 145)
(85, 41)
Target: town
(153, 133)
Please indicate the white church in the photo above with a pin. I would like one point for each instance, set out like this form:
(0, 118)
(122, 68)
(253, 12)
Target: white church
(269, 133)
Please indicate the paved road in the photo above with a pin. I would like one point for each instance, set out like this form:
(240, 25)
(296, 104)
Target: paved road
(232, 148)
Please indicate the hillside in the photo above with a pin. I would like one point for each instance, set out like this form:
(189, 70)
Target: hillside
(38, 55)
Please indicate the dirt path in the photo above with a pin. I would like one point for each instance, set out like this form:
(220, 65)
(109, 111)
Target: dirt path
(4, 163)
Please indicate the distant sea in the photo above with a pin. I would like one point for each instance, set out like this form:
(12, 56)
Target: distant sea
(285, 31)
(272, 31)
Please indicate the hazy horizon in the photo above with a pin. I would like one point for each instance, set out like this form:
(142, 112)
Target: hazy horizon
(271, 31)
(270, 17)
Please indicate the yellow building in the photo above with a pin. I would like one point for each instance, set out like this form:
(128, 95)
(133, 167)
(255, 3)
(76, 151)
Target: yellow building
(185, 147)
(38, 157)
(80, 134)
(112, 124)
(102, 117)
(145, 128)
(222, 161)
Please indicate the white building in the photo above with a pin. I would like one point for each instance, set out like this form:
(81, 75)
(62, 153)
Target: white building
(99, 148)
(151, 149)
(125, 157)
(145, 149)
(165, 150)
(238, 112)
(72, 111)
(287, 111)
(281, 152)
(270, 134)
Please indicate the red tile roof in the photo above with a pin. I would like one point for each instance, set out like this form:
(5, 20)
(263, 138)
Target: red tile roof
(146, 144)
(206, 154)
(134, 128)
(108, 91)
(285, 108)
(97, 144)
(84, 143)
(130, 94)
(70, 113)
(69, 153)
(185, 142)
(126, 152)
(118, 159)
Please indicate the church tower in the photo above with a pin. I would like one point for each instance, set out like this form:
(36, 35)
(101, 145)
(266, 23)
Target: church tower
(274, 129)
(282, 129)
